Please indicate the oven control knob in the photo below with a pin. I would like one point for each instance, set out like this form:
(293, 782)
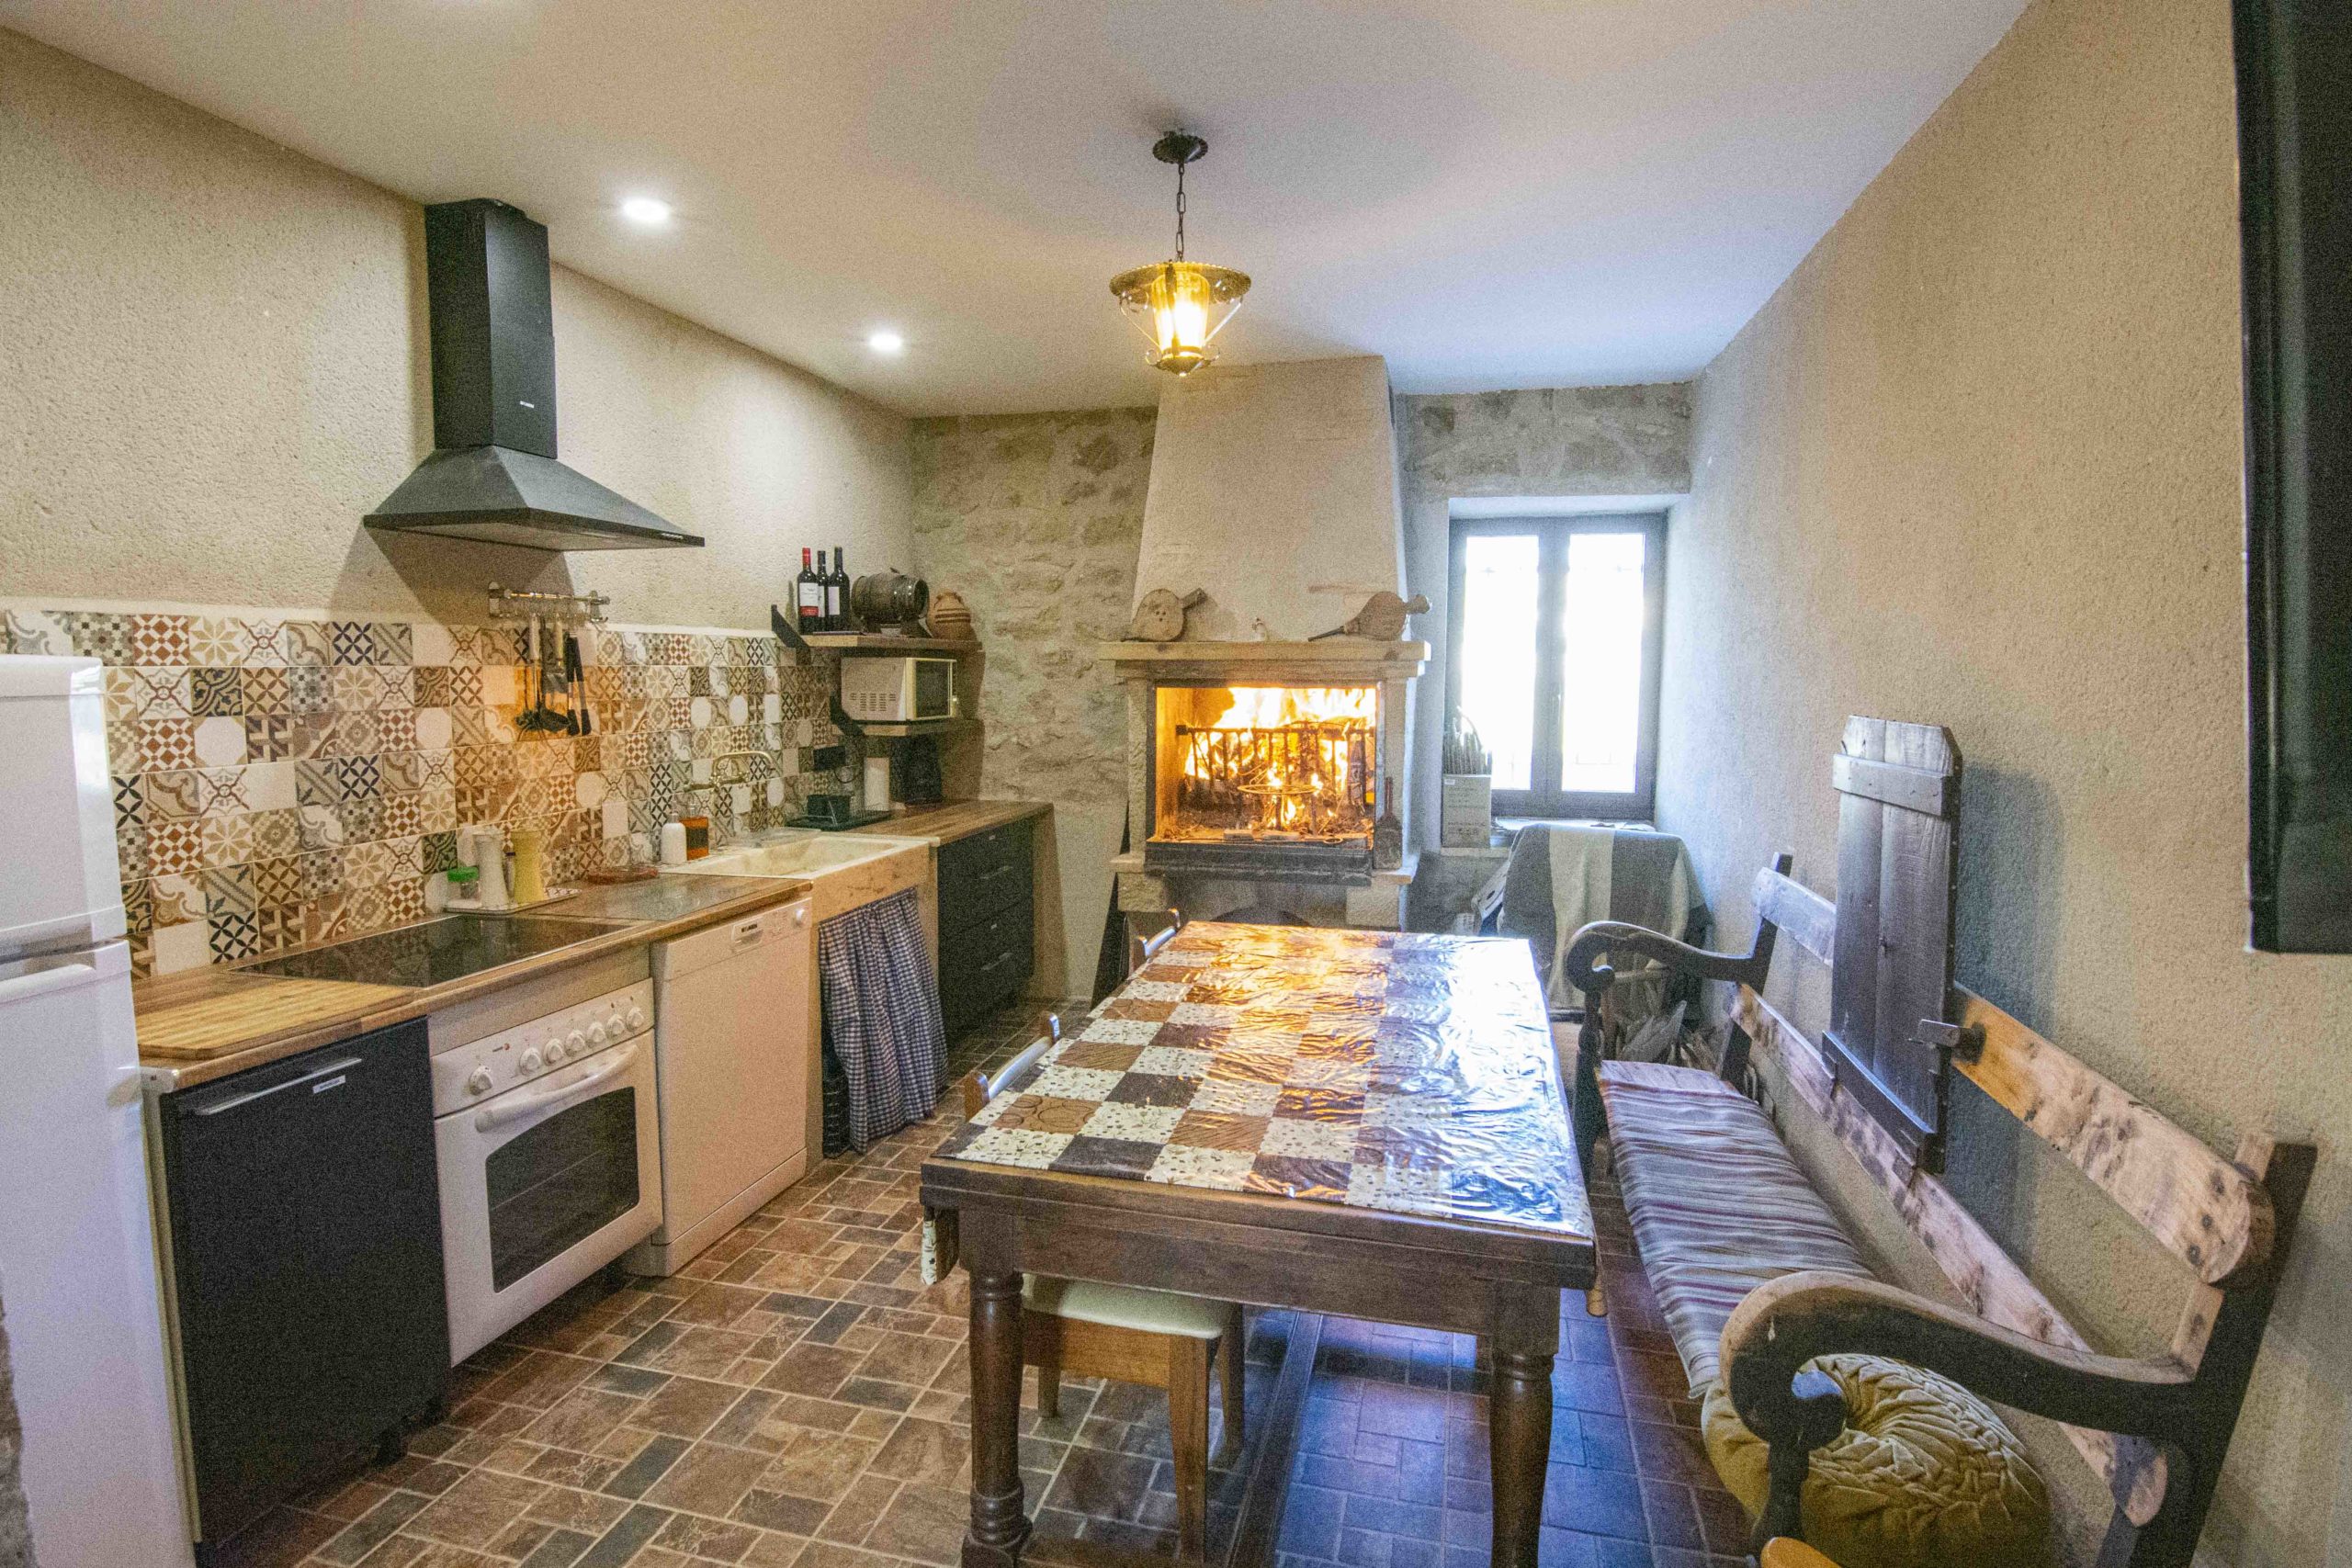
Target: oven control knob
(531, 1061)
(555, 1049)
(477, 1081)
(615, 1027)
(636, 1020)
(596, 1033)
(577, 1042)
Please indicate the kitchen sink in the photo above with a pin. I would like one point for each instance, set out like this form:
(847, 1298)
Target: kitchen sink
(806, 854)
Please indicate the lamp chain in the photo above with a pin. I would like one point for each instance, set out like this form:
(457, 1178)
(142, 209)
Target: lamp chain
(1180, 212)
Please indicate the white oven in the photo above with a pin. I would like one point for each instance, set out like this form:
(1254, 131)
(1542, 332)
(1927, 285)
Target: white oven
(547, 1137)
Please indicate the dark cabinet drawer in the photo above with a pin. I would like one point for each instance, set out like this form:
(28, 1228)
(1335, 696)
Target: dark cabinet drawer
(984, 964)
(983, 874)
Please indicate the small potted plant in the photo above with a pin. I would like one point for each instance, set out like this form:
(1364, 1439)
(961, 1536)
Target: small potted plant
(1466, 806)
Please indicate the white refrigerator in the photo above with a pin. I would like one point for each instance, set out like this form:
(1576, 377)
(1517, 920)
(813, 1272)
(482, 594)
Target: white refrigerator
(79, 1297)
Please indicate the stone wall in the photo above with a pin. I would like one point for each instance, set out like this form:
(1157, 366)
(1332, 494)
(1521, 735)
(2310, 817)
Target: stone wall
(1035, 520)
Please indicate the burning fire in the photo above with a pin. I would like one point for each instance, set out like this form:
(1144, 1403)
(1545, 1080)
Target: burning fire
(1273, 707)
(1288, 759)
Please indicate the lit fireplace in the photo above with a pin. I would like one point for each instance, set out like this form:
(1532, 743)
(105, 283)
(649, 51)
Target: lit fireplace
(1267, 774)
(1266, 765)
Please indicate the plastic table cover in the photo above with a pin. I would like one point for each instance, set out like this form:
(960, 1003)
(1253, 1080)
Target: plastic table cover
(1383, 1070)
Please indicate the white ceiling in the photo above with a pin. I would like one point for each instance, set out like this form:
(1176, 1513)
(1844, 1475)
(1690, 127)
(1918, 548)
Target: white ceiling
(1490, 194)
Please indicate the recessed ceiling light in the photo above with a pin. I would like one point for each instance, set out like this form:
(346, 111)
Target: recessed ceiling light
(884, 340)
(649, 210)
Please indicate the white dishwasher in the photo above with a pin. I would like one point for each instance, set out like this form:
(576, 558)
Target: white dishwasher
(731, 1048)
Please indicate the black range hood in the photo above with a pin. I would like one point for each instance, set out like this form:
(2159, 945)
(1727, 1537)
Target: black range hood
(493, 475)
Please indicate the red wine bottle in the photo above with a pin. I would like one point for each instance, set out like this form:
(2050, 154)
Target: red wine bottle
(809, 595)
(837, 595)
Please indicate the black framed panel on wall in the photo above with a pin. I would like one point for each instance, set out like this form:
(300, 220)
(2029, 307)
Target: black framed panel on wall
(2294, 71)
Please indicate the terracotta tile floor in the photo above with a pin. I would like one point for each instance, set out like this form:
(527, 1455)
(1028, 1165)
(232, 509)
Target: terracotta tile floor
(797, 1398)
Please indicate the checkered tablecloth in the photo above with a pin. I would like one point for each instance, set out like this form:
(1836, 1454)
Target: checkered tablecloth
(1382, 1070)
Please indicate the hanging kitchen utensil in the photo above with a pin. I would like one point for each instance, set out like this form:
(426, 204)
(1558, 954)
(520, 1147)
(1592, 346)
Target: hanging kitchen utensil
(558, 687)
(576, 677)
(535, 718)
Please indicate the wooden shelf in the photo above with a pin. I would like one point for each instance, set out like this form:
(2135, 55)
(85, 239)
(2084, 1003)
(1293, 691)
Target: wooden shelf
(882, 642)
(913, 726)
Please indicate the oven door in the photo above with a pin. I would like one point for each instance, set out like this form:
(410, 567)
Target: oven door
(544, 1185)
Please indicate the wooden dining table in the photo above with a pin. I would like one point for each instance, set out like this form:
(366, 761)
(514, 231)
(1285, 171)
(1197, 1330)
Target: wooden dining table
(1369, 1124)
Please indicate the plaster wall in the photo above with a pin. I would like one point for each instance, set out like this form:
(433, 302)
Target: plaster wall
(213, 362)
(1034, 519)
(16, 1535)
(1560, 445)
(1978, 462)
(1270, 481)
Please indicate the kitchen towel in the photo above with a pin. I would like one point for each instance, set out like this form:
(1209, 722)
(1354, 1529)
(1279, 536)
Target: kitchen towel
(881, 1009)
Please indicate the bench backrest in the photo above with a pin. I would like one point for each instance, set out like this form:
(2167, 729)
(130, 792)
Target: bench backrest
(2226, 1219)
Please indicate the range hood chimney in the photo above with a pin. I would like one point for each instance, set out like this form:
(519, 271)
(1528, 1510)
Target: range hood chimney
(492, 475)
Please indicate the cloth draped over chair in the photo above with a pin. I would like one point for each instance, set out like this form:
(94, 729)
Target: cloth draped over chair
(1561, 878)
(881, 1008)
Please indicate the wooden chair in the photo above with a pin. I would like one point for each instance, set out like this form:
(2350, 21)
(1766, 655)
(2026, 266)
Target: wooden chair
(1142, 950)
(1154, 1338)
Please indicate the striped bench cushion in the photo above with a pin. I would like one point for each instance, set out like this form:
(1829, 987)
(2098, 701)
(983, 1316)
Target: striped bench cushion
(1717, 1205)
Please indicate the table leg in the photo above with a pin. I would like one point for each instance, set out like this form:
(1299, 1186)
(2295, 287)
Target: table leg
(1518, 1432)
(999, 1524)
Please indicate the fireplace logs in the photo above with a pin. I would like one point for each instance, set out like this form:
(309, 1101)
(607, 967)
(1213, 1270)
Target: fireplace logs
(1277, 766)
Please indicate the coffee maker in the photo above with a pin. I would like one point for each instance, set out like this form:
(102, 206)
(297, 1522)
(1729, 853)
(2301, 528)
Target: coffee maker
(915, 770)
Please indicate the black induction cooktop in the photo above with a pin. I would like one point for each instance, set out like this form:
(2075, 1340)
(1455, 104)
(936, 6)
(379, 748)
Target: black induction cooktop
(436, 952)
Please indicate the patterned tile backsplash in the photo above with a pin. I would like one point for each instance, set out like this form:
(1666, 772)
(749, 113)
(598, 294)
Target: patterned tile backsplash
(282, 779)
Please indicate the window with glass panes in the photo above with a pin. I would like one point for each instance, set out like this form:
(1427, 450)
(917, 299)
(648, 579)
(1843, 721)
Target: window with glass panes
(1554, 633)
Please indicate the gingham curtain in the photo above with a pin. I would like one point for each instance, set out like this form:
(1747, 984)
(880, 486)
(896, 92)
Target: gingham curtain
(881, 1006)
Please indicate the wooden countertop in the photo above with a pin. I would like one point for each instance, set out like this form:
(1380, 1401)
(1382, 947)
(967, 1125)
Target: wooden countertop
(208, 1023)
(947, 821)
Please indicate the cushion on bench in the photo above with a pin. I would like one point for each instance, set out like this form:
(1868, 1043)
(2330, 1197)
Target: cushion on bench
(1924, 1474)
(1718, 1207)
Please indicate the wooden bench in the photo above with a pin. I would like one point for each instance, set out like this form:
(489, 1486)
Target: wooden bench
(2155, 1430)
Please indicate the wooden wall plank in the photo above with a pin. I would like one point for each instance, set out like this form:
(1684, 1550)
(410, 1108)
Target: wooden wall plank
(1854, 973)
(1803, 915)
(1893, 783)
(2189, 1341)
(2210, 1213)
(1986, 1278)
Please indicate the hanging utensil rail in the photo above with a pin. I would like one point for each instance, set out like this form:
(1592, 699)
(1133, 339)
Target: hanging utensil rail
(573, 609)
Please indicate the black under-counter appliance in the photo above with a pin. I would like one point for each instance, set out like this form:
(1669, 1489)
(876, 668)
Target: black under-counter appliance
(305, 1268)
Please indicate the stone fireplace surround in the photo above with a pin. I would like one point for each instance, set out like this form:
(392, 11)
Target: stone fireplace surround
(1273, 489)
(1330, 896)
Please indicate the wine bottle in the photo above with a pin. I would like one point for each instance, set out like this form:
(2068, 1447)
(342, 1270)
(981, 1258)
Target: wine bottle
(809, 595)
(837, 594)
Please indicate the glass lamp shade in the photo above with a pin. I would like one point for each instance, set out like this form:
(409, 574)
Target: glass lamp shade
(1180, 307)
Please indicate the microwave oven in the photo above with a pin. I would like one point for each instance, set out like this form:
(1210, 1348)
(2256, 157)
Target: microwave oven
(898, 689)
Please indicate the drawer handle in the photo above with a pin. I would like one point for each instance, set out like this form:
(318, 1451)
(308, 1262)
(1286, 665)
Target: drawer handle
(1007, 956)
(235, 1101)
(991, 876)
